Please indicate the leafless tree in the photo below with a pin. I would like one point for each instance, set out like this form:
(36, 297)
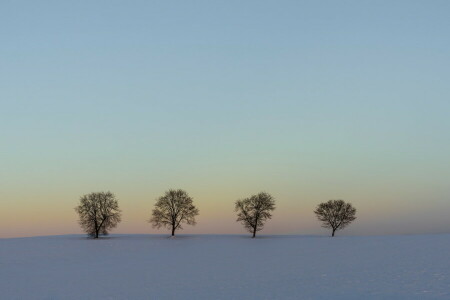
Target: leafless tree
(98, 212)
(173, 209)
(253, 212)
(335, 214)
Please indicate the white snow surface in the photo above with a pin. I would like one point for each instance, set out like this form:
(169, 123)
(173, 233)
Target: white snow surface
(225, 267)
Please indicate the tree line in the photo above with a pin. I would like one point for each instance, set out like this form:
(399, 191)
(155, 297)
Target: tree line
(100, 212)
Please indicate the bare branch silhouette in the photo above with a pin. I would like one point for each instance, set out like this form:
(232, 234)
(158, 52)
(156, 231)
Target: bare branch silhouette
(335, 214)
(253, 212)
(98, 212)
(173, 209)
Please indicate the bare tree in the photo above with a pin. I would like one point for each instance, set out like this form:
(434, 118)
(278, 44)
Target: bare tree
(173, 209)
(98, 212)
(253, 212)
(335, 214)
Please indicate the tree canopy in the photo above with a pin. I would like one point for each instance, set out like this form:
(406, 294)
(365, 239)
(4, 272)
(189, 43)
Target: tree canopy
(98, 213)
(173, 209)
(254, 211)
(335, 214)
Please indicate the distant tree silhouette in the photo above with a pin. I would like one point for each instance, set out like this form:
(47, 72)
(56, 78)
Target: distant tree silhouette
(253, 212)
(98, 212)
(172, 210)
(335, 214)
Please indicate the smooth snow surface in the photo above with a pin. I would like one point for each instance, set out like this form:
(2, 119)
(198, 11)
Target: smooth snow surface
(225, 267)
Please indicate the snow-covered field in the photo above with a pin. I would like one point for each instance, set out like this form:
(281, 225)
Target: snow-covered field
(225, 267)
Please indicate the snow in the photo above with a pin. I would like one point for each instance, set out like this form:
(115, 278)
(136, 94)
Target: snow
(225, 267)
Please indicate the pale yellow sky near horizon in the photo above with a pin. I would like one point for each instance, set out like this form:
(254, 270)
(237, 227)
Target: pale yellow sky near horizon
(32, 214)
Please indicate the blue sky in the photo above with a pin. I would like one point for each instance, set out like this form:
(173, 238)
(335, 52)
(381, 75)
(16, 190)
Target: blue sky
(307, 100)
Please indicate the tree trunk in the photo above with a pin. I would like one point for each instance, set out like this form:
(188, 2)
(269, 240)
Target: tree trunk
(254, 232)
(332, 234)
(96, 228)
(173, 231)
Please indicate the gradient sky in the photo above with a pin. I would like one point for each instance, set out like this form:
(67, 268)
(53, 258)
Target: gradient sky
(306, 100)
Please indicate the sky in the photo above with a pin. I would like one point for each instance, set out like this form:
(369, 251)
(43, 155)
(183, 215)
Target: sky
(306, 100)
